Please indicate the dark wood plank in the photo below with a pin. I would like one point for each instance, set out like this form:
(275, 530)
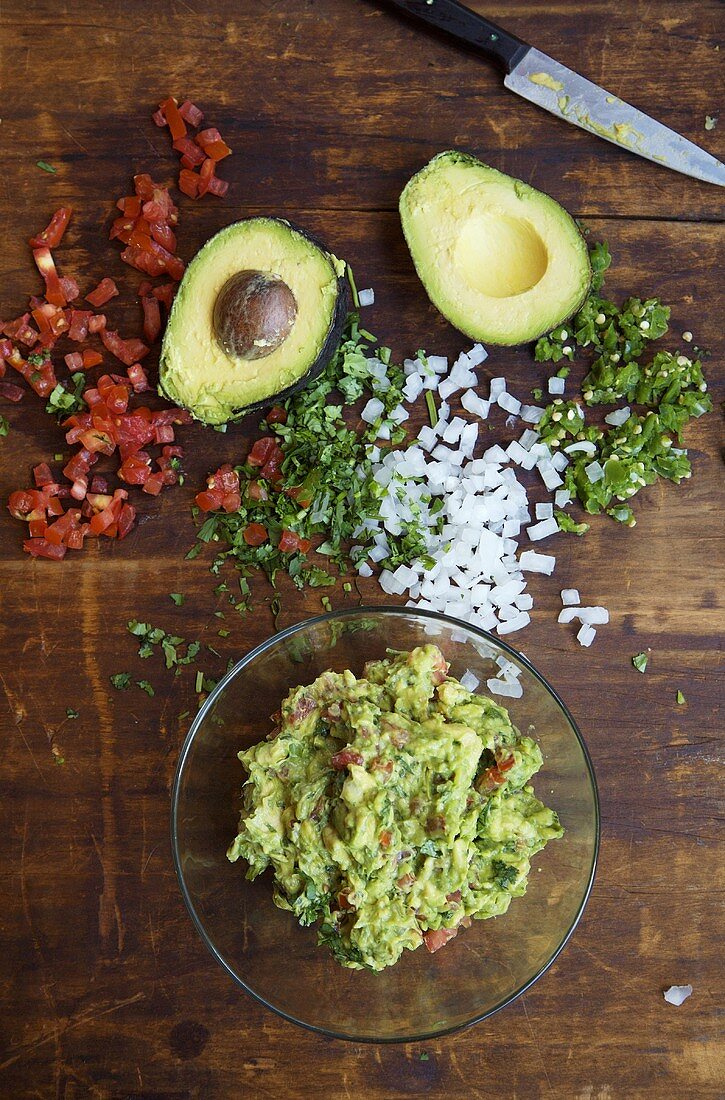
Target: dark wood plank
(106, 990)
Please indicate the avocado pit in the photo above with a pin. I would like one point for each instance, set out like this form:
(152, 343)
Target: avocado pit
(254, 314)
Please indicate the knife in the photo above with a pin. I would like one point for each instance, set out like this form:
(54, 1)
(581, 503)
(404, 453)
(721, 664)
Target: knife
(549, 84)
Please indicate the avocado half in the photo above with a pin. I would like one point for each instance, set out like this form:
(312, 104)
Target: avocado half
(200, 372)
(503, 262)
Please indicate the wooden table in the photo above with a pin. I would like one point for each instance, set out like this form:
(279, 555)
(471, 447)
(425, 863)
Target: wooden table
(106, 990)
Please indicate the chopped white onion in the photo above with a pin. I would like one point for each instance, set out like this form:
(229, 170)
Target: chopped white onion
(509, 404)
(372, 411)
(469, 681)
(556, 385)
(586, 635)
(570, 597)
(618, 417)
(677, 994)
(366, 297)
(594, 471)
(583, 446)
(544, 511)
(537, 563)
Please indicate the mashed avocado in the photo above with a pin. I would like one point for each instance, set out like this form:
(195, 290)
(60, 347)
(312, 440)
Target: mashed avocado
(393, 808)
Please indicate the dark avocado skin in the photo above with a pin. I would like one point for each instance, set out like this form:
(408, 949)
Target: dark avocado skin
(329, 347)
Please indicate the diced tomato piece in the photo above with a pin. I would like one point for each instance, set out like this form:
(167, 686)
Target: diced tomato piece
(218, 187)
(51, 319)
(211, 142)
(103, 293)
(144, 186)
(209, 500)
(175, 122)
(92, 397)
(98, 501)
(11, 392)
(41, 548)
(143, 260)
(255, 491)
(117, 399)
(19, 329)
(438, 937)
(189, 183)
(191, 113)
(79, 319)
(340, 760)
(126, 519)
(136, 469)
(46, 266)
(276, 415)
(151, 318)
(43, 380)
(128, 351)
(206, 174)
(163, 433)
(154, 484)
(74, 538)
(42, 475)
(22, 502)
(79, 465)
(159, 118)
(165, 292)
(163, 235)
(97, 441)
(74, 361)
(138, 378)
(69, 288)
(133, 431)
(99, 484)
(54, 505)
(52, 235)
(37, 528)
(6, 348)
(130, 206)
(255, 534)
(91, 359)
(191, 155)
(262, 450)
(290, 542)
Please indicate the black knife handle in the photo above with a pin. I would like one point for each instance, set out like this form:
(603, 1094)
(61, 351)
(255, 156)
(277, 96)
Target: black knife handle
(469, 27)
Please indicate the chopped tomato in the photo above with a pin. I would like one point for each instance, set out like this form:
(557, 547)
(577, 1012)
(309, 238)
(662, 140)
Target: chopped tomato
(135, 469)
(154, 484)
(385, 837)
(52, 235)
(46, 266)
(189, 183)
(69, 288)
(255, 534)
(151, 318)
(163, 235)
(78, 330)
(103, 293)
(191, 113)
(138, 378)
(74, 361)
(51, 320)
(209, 500)
(126, 519)
(19, 329)
(340, 760)
(97, 323)
(165, 292)
(98, 485)
(290, 542)
(175, 122)
(255, 491)
(276, 415)
(11, 392)
(128, 351)
(262, 450)
(191, 155)
(211, 142)
(91, 359)
(130, 206)
(159, 118)
(438, 937)
(206, 174)
(41, 548)
(218, 187)
(144, 186)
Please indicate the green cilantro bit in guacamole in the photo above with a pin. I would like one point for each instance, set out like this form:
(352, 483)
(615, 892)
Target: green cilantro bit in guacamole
(392, 809)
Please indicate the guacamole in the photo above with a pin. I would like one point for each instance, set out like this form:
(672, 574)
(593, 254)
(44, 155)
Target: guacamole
(392, 809)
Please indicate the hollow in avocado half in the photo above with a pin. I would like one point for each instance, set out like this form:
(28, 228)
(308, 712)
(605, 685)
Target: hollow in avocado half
(258, 313)
(502, 261)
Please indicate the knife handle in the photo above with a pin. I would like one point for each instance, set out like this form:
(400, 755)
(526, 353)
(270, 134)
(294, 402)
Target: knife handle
(460, 22)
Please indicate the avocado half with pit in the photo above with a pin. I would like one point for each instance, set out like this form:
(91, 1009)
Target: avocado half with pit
(502, 261)
(258, 315)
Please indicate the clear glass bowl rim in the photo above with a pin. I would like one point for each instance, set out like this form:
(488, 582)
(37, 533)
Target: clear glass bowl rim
(288, 632)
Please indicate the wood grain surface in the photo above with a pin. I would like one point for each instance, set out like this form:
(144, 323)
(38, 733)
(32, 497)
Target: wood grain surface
(105, 989)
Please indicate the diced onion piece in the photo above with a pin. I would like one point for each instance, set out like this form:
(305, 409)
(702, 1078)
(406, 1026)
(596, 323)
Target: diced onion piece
(677, 994)
(469, 681)
(586, 635)
(618, 417)
(570, 597)
(366, 297)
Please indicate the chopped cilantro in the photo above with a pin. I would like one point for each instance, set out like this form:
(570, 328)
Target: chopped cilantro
(70, 713)
(177, 597)
(432, 410)
(223, 633)
(4, 426)
(199, 682)
(63, 401)
(537, 393)
(423, 1057)
(566, 523)
(121, 680)
(325, 601)
(43, 164)
(640, 662)
(680, 698)
(145, 686)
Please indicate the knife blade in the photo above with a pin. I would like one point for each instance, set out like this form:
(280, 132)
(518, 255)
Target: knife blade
(547, 83)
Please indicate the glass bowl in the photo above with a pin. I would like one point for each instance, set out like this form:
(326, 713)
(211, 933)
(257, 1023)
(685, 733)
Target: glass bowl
(277, 961)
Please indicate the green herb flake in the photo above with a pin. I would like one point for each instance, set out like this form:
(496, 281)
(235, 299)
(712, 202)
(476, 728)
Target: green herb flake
(184, 714)
(177, 598)
(423, 1057)
(710, 122)
(537, 393)
(43, 164)
(432, 410)
(325, 601)
(640, 661)
(70, 713)
(680, 698)
(199, 682)
(121, 680)
(223, 633)
(146, 686)
(4, 426)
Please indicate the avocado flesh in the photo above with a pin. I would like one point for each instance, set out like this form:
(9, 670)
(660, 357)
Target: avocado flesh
(502, 261)
(197, 373)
